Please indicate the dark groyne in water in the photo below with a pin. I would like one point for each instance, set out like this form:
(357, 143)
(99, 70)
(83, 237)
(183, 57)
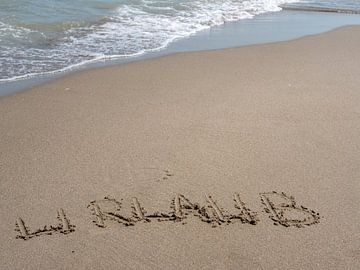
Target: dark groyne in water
(320, 9)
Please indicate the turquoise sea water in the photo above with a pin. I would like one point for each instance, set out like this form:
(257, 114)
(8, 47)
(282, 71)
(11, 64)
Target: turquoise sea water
(48, 36)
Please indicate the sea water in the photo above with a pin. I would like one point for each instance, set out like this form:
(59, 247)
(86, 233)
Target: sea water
(48, 36)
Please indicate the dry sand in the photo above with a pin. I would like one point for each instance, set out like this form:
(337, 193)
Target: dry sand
(181, 135)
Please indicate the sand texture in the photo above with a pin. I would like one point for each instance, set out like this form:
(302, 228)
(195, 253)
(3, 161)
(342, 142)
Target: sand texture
(245, 158)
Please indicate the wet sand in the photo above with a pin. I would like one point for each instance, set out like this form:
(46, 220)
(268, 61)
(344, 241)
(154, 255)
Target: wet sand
(243, 158)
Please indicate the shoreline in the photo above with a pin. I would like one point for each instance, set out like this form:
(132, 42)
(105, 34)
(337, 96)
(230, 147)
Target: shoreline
(189, 161)
(294, 7)
(291, 25)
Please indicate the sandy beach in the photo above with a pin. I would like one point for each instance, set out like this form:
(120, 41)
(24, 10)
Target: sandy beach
(244, 158)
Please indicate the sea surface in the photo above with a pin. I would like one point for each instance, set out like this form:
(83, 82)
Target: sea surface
(48, 36)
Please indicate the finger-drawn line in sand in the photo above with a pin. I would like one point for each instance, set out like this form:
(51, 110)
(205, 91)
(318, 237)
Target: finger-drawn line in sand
(177, 207)
(64, 227)
(99, 217)
(283, 212)
(148, 173)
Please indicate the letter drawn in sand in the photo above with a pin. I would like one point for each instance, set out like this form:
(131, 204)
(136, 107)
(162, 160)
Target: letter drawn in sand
(64, 227)
(217, 213)
(282, 209)
(65, 222)
(139, 212)
(182, 206)
(108, 209)
(246, 215)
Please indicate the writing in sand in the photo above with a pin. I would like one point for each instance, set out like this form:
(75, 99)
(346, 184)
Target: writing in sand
(281, 209)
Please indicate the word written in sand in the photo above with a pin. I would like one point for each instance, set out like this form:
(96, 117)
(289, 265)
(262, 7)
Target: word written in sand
(64, 227)
(282, 210)
(108, 209)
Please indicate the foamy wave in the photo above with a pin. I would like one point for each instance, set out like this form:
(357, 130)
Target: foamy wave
(135, 28)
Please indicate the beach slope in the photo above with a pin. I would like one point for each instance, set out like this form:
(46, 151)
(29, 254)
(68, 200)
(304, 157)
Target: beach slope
(172, 163)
